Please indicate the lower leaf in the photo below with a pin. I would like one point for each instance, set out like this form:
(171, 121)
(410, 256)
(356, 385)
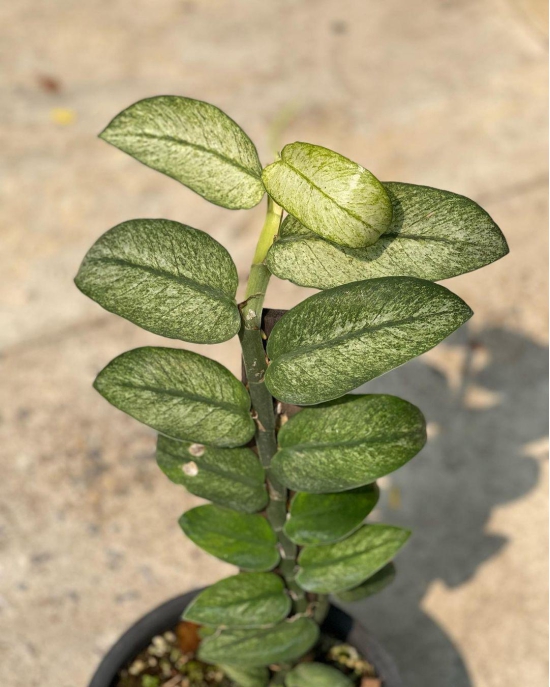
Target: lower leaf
(316, 675)
(283, 643)
(247, 677)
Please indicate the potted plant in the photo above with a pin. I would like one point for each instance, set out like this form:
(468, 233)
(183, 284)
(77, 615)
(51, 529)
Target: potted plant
(288, 457)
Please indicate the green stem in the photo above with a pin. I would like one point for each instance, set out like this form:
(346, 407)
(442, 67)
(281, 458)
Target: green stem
(255, 365)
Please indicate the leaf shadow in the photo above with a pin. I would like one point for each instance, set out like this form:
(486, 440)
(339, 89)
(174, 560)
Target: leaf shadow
(484, 417)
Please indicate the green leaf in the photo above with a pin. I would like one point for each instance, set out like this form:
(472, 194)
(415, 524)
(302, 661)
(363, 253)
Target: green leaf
(246, 541)
(373, 585)
(231, 477)
(179, 393)
(339, 339)
(331, 195)
(326, 518)
(193, 142)
(168, 278)
(347, 443)
(246, 600)
(344, 565)
(282, 643)
(433, 235)
(247, 677)
(316, 675)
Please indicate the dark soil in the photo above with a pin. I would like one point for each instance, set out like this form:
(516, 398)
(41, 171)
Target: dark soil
(170, 661)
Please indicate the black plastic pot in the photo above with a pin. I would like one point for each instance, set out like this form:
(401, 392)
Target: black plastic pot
(166, 617)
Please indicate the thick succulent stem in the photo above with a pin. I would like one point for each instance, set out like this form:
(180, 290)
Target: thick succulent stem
(255, 365)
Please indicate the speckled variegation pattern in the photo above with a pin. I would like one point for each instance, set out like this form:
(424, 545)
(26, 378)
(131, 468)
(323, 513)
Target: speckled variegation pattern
(193, 142)
(230, 477)
(336, 340)
(166, 277)
(243, 601)
(433, 235)
(331, 195)
(246, 541)
(348, 443)
(282, 643)
(344, 565)
(179, 393)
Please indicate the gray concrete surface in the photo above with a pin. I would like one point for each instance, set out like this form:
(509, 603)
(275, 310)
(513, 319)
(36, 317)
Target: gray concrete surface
(450, 93)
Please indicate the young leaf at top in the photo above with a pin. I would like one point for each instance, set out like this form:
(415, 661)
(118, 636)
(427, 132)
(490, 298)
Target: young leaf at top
(371, 586)
(344, 565)
(246, 541)
(247, 677)
(316, 675)
(246, 600)
(331, 195)
(433, 235)
(179, 393)
(168, 278)
(327, 518)
(193, 142)
(283, 643)
(339, 339)
(347, 443)
(231, 477)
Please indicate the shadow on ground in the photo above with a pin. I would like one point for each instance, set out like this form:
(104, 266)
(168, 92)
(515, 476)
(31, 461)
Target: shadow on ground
(482, 419)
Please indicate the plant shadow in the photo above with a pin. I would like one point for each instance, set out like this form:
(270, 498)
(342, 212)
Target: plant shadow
(481, 419)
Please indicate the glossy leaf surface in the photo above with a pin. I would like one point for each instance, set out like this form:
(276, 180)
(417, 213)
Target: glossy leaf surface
(246, 541)
(336, 340)
(433, 235)
(282, 643)
(347, 443)
(373, 585)
(326, 518)
(330, 195)
(179, 393)
(344, 565)
(193, 142)
(231, 477)
(168, 278)
(246, 600)
(316, 675)
(247, 677)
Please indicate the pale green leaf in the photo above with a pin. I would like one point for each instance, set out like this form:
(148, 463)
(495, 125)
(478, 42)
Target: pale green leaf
(246, 541)
(372, 585)
(316, 675)
(331, 195)
(433, 235)
(283, 643)
(341, 338)
(168, 278)
(247, 677)
(231, 477)
(344, 565)
(326, 518)
(246, 600)
(347, 443)
(193, 142)
(179, 393)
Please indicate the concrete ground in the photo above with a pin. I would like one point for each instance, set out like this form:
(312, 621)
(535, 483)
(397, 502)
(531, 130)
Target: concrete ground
(449, 93)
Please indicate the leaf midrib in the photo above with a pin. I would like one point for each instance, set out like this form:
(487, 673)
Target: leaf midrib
(182, 394)
(341, 559)
(323, 193)
(202, 149)
(352, 442)
(356, 334)
(231, 476)
(187, 281)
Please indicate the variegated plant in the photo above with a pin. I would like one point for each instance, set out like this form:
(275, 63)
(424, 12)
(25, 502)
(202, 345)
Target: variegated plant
(289, 508)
